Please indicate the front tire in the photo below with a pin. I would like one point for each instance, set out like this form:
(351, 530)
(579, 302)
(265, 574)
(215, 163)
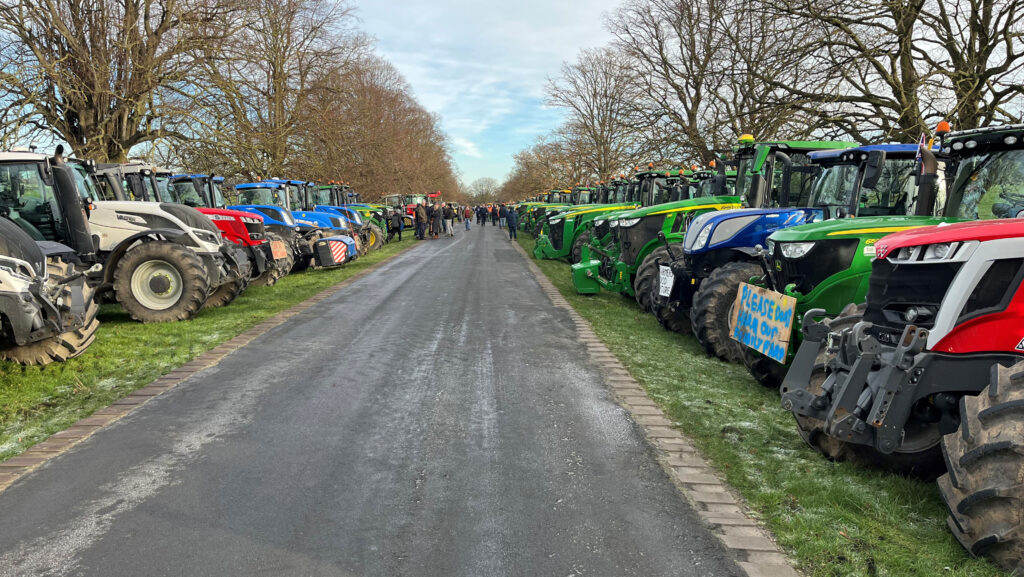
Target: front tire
(374, 237)
(712, 305)
(576, 254)
(160, 281)
(985, 465)
(647, 282)
(225, 294)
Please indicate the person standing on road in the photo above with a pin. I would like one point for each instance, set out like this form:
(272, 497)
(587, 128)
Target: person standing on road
(397, 224)
(467, 215)
(435, 222)
(481, 215)
(512, 221)
(449, 217)
(421, 220)
(502, 215)
(494, 216)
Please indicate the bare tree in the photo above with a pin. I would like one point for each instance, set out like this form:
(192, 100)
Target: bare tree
(104, 75)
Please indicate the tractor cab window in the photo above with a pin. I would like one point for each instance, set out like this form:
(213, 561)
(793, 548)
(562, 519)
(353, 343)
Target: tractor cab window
(28, 201)
(584, 197)
(163, 189)
(184, 192)
(152, 192)
(743, 175)
(294, 198)
(833, 188)
(799, 177)
(85, 183)
(259, 196)
(322, 196)
(661, 192)
(989, 185)
(894, 193)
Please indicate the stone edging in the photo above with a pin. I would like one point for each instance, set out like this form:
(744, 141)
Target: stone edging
(16, 467)
(716, 503)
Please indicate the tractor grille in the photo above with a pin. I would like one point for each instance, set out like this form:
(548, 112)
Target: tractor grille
(827, 258)
(256, 230)
(600, 230)
(635, 237)
(893, 288)
(557, 234)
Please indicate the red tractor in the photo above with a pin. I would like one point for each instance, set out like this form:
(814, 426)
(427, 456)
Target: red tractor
(927, 378)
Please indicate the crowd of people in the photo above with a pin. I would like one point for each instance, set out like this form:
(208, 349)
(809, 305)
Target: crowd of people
(437, 219)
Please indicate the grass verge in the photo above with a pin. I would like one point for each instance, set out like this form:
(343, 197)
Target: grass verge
(833, 518)
(36, 402)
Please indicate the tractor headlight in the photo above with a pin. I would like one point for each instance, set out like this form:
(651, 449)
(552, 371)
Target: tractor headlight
(769, 245)
(937, 251)
(598, 222)
(555, 221)
(628, 222)
(613, 223)
(702, 237)
(796, 249)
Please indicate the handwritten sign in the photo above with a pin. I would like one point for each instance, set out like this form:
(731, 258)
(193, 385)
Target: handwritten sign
(762, 320)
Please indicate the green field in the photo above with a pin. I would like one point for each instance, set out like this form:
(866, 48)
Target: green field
(36, 402)
(834, 519)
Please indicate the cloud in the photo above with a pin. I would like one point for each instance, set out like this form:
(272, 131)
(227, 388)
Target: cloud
(483, 67)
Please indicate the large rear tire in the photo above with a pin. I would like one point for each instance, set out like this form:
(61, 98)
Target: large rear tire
(711, 307)
(68, 344)
(920, 454)
(576, 254)
(161, 281)
(985, 467)
(646, 286)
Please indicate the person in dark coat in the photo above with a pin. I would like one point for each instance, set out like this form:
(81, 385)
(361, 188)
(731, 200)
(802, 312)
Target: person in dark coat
(397, 223)
(421, 221)
(435, 222)
(512, 221)
(448, 213)
(481, 215)
(502, 215)
(494, 216)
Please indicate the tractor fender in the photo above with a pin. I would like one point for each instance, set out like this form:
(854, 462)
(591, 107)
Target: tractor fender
(111, 260)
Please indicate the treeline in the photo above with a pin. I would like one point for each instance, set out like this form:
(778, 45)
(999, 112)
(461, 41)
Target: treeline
(681, 81)
(245, 89)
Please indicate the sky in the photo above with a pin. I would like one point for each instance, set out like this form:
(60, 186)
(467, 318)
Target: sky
(483, 66)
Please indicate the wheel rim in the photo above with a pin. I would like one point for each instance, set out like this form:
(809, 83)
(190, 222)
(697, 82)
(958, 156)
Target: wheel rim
(373, 238)
(157, 285)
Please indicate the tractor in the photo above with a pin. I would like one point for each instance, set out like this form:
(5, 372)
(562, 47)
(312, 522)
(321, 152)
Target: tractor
(48, 310)
(622, 262)
(927, 377)
(321, 240)
(692, 288)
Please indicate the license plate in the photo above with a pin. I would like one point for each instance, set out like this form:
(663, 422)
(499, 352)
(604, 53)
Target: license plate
(277, 250)
(665, 280)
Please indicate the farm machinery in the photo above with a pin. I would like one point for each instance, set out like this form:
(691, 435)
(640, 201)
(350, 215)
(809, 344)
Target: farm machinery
(692, 288)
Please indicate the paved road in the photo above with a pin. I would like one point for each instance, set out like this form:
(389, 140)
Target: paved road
(437, 419)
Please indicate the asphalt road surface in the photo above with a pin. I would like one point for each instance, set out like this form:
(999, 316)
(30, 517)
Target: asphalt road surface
(438, 418)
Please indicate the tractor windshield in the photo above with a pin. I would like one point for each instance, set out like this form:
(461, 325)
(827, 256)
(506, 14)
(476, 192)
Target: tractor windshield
(260, 196)
(86, 186)
(218, 196)
(835, 185)
(743, 176)
(322, 196)
(415, 199)
(893, 194)
(989, 185)
(661, 191)
(28, 201)
(584, 197)
(295, 198)
(184, 192)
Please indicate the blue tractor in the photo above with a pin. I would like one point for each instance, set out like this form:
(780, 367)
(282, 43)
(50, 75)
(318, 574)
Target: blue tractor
(317, 239)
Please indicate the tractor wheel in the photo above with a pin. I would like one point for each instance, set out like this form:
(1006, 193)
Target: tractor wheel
(576, 254)
(712, 305)
(161, 281)
(279, 268)
(765, 370)
(985, 463)
(919, 456)
(66, 345)
(374, 237)
(224, 294)
(646, 287)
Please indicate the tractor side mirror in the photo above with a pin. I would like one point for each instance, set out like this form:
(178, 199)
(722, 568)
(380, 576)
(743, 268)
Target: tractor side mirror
(873, 168)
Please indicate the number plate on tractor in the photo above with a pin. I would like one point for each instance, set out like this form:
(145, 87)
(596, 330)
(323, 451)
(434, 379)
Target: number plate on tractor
(762, 320)
(277, 249)
(665, 280)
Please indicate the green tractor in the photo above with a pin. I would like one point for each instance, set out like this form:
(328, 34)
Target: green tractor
(622, 242)
(567, 231)
(825, 266)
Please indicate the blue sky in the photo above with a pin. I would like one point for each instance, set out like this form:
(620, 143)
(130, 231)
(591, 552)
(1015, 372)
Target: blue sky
(483, 67)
